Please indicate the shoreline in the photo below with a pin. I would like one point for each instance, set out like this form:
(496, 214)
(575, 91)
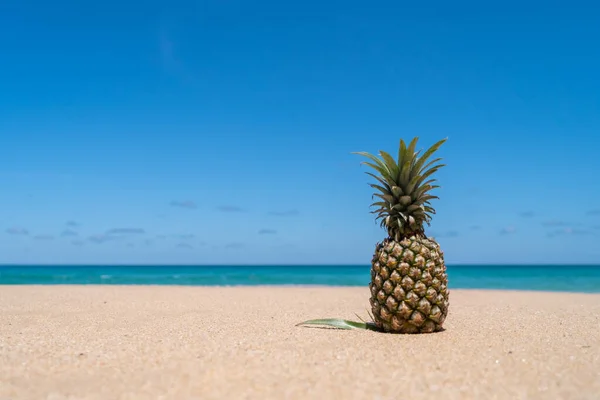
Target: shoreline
(267, 286)
(161, 265)
(563, 280)
(211, 342)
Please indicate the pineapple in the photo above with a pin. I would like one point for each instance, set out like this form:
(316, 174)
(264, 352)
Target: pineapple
(409, 292)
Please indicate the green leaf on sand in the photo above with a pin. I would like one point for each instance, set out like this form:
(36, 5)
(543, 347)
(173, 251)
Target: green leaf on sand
(341, 324)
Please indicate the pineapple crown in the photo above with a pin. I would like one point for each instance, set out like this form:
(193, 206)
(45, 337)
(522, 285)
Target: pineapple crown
(404, 190)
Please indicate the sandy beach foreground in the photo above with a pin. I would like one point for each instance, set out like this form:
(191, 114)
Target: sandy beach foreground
(117, 342)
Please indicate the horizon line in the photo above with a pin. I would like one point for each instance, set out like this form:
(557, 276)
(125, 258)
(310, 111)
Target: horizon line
(278, 265)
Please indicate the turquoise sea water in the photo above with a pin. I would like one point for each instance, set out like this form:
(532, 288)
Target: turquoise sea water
(574, 278)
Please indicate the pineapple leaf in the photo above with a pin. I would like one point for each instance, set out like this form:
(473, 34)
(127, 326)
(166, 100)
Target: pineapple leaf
(372, 157)
(383, 207)
(397, 191)
(341, 324)
(381, 169)
(429, 210)
(426, 155)
(401, 223)
(370, 315)
(416, 158)
(432, 170)
(378, 212)
(420, 192)
(413, 207)
(390, 163)
(410, 188)
(426, 175)
(386, 197)
(383, 182)
(382, 204)
(404, 175)
(423, 188)
(379, 187)
(401, 152)
(429, 197)
(359, 317)
(429, 164)
(412, 146)
(407, 161)
(381, 216)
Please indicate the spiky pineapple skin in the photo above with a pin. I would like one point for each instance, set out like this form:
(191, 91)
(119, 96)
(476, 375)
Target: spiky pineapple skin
(409, 285)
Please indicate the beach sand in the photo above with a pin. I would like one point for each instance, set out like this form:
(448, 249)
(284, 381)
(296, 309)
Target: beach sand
(153, 342)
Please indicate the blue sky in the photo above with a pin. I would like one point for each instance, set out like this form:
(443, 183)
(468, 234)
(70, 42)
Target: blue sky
(222, 131)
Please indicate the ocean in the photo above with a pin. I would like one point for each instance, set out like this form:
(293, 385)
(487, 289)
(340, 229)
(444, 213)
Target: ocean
(565, 278)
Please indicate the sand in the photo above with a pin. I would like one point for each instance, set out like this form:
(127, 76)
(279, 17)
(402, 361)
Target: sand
(152, 342)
